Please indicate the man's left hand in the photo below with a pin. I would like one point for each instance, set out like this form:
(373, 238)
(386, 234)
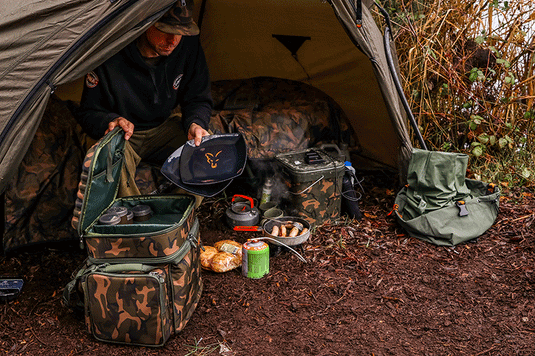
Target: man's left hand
(196, 133)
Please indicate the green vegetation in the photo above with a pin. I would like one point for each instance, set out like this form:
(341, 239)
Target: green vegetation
(468, 71)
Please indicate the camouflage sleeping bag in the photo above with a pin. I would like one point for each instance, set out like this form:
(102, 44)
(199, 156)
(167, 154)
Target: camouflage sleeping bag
(277, 115)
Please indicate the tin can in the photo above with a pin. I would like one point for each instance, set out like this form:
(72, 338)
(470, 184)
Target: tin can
(142, 213)
(121, 212)
(255, 259)
(109, 219)
(266, 191)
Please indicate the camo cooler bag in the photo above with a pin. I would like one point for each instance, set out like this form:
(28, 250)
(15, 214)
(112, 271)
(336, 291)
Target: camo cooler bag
(139, 303)
(141, 281)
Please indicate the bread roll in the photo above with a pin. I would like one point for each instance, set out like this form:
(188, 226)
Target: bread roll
(224, 261)
(207, 255)
(229, 246)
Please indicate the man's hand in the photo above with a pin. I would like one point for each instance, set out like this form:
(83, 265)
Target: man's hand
(126, 125)
(197, 132)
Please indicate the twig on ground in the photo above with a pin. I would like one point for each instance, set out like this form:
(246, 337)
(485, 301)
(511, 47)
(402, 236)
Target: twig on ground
(38, 339)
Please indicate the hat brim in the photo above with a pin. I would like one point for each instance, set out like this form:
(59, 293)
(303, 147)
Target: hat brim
(190, 29)
(171, 168)
(218, 158)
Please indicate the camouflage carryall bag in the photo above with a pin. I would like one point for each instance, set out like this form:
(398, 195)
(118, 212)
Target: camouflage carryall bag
(142, 279)
(139, 303)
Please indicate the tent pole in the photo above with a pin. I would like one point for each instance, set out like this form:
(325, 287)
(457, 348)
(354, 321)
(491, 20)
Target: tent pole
(395, 77)
(201, 13)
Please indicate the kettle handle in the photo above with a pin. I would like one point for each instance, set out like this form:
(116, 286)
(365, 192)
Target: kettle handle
(245, 197)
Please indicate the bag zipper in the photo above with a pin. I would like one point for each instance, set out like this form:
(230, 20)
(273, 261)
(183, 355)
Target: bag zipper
(191, 241)
(141, 234)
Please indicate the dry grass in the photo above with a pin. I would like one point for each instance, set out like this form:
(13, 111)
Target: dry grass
(468, 73)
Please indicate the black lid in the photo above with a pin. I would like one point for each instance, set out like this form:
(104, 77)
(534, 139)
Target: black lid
(216, 159)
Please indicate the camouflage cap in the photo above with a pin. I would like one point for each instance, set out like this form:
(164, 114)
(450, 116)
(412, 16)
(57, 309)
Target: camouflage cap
(179, 20)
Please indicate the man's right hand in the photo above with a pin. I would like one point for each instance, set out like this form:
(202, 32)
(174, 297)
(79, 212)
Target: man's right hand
(126, 125)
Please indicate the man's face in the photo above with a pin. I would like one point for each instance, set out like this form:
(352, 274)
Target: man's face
(161, 43)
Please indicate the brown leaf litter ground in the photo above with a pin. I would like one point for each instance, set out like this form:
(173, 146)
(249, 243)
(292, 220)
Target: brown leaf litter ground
(367, 289)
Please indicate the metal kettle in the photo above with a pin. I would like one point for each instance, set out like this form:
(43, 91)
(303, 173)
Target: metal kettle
(242, 213)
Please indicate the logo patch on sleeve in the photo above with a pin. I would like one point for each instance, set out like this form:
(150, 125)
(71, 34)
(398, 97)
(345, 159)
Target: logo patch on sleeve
(91, 80)
(177, 81)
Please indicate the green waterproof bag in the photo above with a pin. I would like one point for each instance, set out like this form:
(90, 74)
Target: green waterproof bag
(440, 205)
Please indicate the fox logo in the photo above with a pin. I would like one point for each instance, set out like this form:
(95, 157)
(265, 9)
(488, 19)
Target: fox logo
(212, 159)
(91, 80)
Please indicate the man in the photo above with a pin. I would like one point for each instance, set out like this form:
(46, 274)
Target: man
(140, 87)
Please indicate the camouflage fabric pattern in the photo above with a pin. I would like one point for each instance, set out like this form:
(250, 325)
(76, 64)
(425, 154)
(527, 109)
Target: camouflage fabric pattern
(40, 198)
(317, 204)
(86, 164)
(148, 179)
(130, 309)
(186, 287)
(277, 115)
(150, 246)
(140, 309)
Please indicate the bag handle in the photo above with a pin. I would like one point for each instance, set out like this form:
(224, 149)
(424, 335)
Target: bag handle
(70, 288)
(131, 267)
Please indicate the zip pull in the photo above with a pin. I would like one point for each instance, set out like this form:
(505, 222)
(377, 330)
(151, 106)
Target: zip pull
(81, 241)
(192, 239)
(158, 276)
(192, 235)
(358, 13)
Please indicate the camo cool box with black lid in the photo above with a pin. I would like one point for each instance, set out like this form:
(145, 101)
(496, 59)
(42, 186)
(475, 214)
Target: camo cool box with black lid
(314, 181)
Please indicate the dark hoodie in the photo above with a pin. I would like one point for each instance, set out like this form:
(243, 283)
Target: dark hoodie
(125, 85)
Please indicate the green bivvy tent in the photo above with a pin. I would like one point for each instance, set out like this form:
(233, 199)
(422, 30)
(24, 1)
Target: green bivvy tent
(334, 45)
(47, 44)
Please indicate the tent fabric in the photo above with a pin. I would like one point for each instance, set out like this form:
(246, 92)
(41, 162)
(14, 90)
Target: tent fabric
(239, 43)
(371, 42)
(40, 198)
(44, 44)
